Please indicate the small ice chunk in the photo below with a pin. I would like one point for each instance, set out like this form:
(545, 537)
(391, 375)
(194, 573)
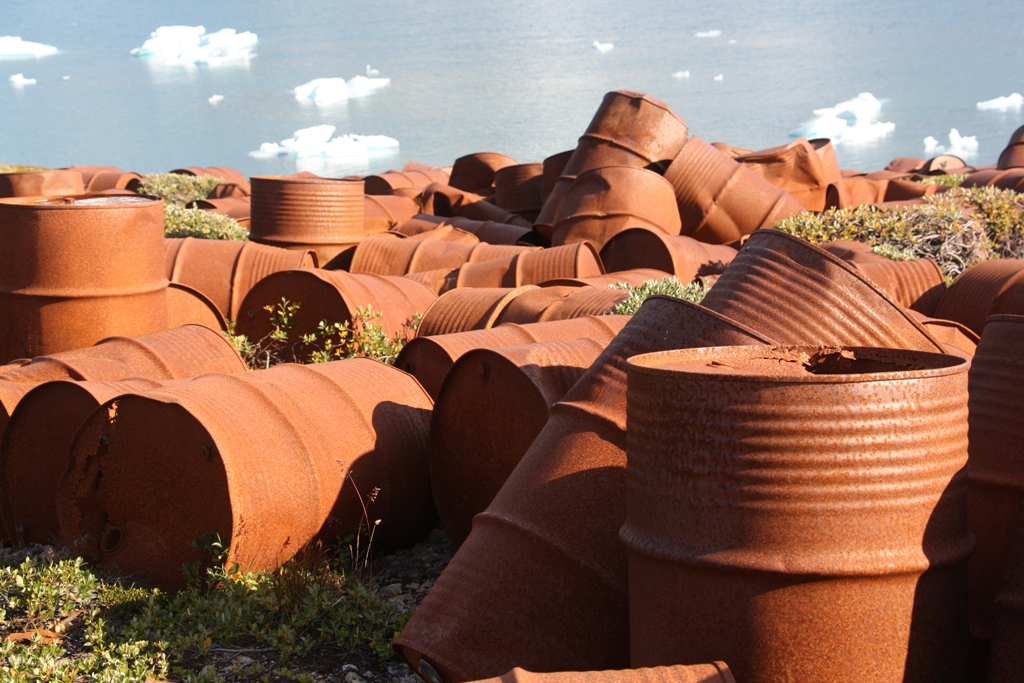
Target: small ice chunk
(193, 45)
(214, 99)
(714, 33)
(66, 78)
(959, 145)
(19, 80)
(720, 78)
(13, 47)
(932, 146)
(852, 121)
(602, 47)
(330, 90)
(681, 75)
(1014, 101)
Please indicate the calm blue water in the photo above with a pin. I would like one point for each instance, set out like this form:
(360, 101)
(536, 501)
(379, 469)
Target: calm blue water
(518, 77)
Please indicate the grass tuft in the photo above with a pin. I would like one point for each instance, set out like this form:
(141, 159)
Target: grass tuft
(671, 286)
(182, 222)
(15, 168)
(175, 188)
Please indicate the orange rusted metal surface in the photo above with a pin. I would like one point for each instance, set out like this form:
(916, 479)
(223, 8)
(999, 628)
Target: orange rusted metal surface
(852, 192)
(412, 175)
(1007, 651)
(605, 201)
(302, 213)
(1009, 179)
(528, 266)
(474, 446)
(41, 184)
(420, 223)
(383, 212)
(268, 459)
(996, 468)
(430, 358)
(553, 167)
(187, 306)
(917, 284)
(956, 338)
(226, 174)
(334, 296)
(798, 293)
(89, 171)
(550, 536)
(231, 190)
(584, 301)
(226, 270)
(684, 257)
(518, 188)
(443, 200)
(460, 310)
(985, 289)
(802, 168)
(113, 180)
(716, 672)
(34, 452)
(851, 250)
(490, 231)
(791, 525)
(721, 200)
(634, 277)
(446, 232)
(239, 208)
(61, 287)
(475, 172)
(386, 255)
(1012, 155)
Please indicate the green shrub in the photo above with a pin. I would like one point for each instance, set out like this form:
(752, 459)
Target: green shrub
(175, 188)
(15, 168)
(954, 179)
(182, 222)
(671, 285)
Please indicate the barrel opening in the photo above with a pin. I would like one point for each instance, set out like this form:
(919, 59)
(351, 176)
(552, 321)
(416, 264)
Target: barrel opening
(850, 362)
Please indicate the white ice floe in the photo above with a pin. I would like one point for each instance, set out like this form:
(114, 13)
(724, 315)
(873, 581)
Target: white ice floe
(602, 47)
(193, 45)
(331, 90)
(19, 80)
(962, 146)
(66, 78)
(681, 75)
(853, 121)
(714, 33)
(214, 99)
(317, 142)
(720, 77)
(13, 47)
(1014, 101)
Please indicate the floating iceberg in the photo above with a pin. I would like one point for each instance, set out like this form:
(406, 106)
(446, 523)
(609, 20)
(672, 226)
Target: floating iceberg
(851, 122)
(714, 33)
(962, 146)
(331, 90)
(214, 99)
(193, 45)
(19, 80)
(1014, 101)
(681, 75)
(602, 47)
(13, 47)
(317, 142)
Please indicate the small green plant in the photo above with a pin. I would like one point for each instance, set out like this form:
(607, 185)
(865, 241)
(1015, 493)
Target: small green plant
(16, 168)
(179, 189)
(361, 337)
(671, 286)
(182, 222)
(893, 253)
(954, 179)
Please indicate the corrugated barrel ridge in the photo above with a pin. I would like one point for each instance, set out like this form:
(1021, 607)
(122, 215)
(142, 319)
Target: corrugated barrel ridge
(583, 302)
(916, 284)
(716, 672)
(294, 210)
(467, 309)
(255, 262)
(970, 298)
(383, 255)
(572, 260)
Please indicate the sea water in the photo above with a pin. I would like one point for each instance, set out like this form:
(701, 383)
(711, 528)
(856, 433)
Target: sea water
(523, 77)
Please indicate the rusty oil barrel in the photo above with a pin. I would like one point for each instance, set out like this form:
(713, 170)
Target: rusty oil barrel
(995, 493)
(716, 672)
(383, 212)
(518, 188)
(634, 277)
(429, 359)
(802, 168)
(800, 512)
(439, 199)
(294, 212)
(550, 536)
(269, 460)
(917, 284)
(63, 285)
(721, 200)
(684, 257)
(475, 172)
(226, 270)
(188, 306)
(60, 183)
(113, 180)
(1012, 155)
(491, 406)
(987, 288)
(412, 175)
(461, 310)
(798, 293)
(1006, 659)
(561, 303)
(490, 231)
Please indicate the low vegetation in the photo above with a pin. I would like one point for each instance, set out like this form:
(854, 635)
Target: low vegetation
(958, 228)
(176, 188)
(15, 168)
(177, 191)
(671, 286)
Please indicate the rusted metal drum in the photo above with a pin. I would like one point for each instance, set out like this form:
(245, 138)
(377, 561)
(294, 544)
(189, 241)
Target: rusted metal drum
(721, 200)
(429, 359)
(113, 180)
(226, 270)
(996, 468)
(800, 512)
(490, 231)
(956, 338)
(239, 208)
(988, 288)
(530, 306)
(529, 266)
(1007, 651)
(268, 459)
(848, 193)
(1009, 179)
(917, 284)
(716, 672)
(584, 301)
(302, 213)
(383, 212)
(225, 173)
(491, 406)
(518, 188)
(797, 293)
(445, 232)
(420, 223)
(41, 184)
(442, 200)
(187, 306)
(475, 172)
(605, 201)
(633, 277)
(60, 289)
(413, 175)
(550, 537)
(461, 310)
(553, 167)
(386, 255)
(225, 190)
(851, 250)
(334, 296)
(801, 168)
(88, 172)
(1012, 155)
(684, 257)
(34, 452)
